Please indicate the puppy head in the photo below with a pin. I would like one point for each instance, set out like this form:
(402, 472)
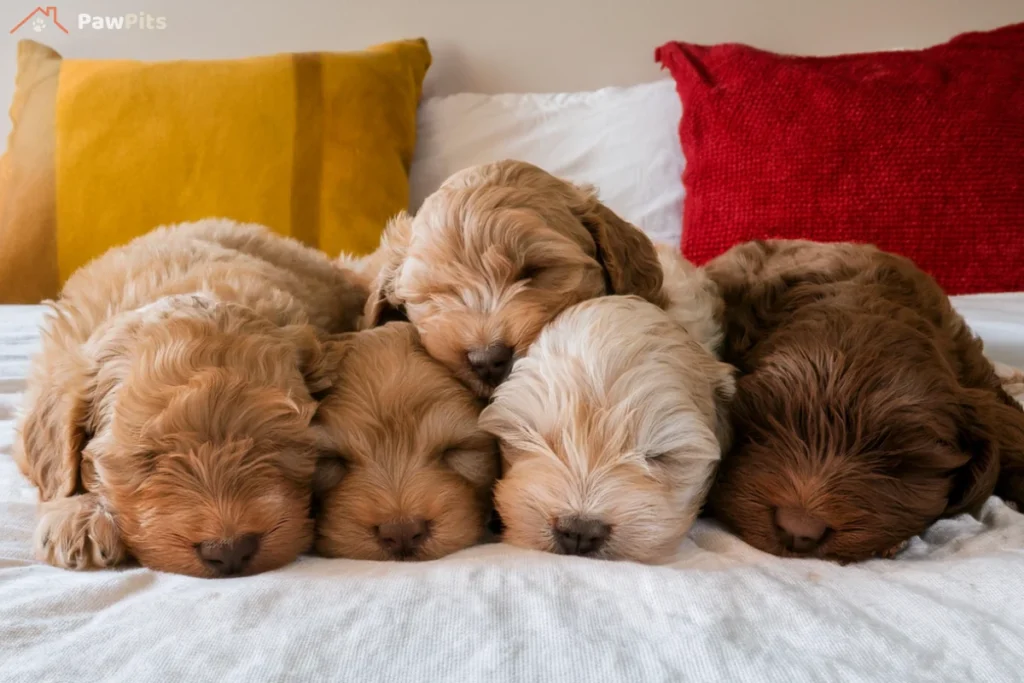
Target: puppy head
(608, 433)
(494, 255)
(192, 422)
(414, 470)
(852, 435)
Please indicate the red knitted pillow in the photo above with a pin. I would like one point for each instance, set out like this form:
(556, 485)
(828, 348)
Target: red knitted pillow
(918, 152)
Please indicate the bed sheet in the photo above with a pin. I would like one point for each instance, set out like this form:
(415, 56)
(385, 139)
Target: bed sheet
(948, 609)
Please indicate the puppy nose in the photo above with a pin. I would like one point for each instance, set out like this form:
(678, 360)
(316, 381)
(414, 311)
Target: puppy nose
(800, 531)
(229, 557)
(491, 364)
(580, 535)
(402, 538)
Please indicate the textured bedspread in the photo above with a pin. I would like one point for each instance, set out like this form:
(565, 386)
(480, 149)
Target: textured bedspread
(950, 608)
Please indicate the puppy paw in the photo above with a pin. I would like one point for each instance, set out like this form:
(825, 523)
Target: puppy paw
(78, 533)
(895, 550)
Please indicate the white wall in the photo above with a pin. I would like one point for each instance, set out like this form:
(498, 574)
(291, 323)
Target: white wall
(505, 45)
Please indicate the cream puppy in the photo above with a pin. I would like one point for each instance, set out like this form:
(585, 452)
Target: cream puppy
(611, 428)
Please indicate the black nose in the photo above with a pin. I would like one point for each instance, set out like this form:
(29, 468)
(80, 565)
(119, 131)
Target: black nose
(580, 535)
(402, 538)
(229, 557)
(798, 530)
(491, 364)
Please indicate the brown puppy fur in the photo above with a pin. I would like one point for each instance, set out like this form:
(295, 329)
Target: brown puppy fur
(494, 255)
(414, 469)
(866, 411)
(170, 410)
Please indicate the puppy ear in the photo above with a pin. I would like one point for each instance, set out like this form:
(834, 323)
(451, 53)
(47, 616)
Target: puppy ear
(330, 469)
(627, 256)
(320, 359)
(54, 430)
(983, 434)
(477, 466)
(1009, 431)
(383, 305)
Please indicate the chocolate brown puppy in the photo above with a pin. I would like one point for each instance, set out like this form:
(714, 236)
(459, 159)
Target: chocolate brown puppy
(865, 410)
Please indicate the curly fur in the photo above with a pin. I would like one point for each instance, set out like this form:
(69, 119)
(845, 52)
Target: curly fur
(401, 434)
(865, 401)
(499, 251)
(173, 400)
(618, 415)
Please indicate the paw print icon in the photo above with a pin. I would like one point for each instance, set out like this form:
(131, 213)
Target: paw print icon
(38, 24)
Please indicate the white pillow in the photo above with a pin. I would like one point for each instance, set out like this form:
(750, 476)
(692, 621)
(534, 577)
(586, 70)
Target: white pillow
(624, 141)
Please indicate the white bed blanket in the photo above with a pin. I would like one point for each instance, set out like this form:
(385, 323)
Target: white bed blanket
(950, 608)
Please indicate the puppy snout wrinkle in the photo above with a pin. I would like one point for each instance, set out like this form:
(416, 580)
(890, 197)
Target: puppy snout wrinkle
(799, 531)
(229, 557)
(580, 535)
(403, 538)
(492, 363)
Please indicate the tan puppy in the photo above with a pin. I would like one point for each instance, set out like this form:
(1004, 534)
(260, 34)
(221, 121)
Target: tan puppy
(494, 255)
(415, 471)
(611, 428)
(169, 414)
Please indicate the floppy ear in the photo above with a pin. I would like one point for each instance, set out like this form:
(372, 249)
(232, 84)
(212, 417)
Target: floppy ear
(383, 305)
(627, 256)
(478, 466)
(321, 366)
(983, 436)
(320, 358)
(53, 429)
(1010, 434)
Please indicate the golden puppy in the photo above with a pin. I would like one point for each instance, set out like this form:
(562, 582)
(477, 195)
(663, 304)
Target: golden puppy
(414, 469)
(494, 255)
(169, 414)
(611, 428)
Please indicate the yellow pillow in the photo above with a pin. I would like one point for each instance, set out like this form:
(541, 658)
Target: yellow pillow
(316, 146)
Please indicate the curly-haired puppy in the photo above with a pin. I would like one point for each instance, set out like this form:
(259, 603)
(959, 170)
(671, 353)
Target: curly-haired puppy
(865, 410)
(611, 428)
(494, 255)
(169, 414)
(414, 469)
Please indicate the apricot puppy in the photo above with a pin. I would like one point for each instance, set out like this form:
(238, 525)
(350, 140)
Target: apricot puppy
(494, 255)
(414, 471)
(611, 428)
(170, 414)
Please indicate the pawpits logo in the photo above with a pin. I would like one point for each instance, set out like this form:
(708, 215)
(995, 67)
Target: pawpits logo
(45, 18)
(141, 21)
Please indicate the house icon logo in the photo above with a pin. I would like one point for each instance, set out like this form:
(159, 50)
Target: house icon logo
(40, 19)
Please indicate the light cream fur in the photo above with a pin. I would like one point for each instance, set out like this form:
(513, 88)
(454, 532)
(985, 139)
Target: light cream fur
(616, 414)
(691, 298)
(173, 400)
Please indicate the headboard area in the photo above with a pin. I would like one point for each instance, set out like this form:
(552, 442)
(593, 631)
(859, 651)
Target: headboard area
(490, 46)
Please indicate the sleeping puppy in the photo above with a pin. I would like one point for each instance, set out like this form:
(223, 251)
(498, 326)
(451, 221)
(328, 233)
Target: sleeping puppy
(407, 470)
(865, 410)
(611, 428)
(494, 255)
(170, 414)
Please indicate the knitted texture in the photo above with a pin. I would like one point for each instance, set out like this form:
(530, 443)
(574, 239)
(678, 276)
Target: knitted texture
(918, 152)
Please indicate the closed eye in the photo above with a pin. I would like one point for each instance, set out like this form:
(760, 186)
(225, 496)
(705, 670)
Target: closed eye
(658, 457)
